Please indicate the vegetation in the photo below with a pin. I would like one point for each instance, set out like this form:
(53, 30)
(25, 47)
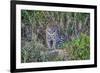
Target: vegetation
(74, 27)
(79, 48)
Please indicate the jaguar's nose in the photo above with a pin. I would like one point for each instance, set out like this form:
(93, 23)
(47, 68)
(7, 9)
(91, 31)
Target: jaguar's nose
(51, 43)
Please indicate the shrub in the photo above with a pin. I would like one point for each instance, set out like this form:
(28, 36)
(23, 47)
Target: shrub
(79, 48)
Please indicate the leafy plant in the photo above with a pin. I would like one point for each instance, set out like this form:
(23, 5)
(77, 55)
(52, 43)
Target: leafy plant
(79, 48)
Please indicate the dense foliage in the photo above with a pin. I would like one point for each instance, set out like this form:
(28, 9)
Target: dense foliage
(74, 26)
(79, 48)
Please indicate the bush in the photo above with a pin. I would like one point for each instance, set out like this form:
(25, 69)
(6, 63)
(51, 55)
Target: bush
(79, 48)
